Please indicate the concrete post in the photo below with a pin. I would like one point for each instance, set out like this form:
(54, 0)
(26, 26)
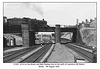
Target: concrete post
(25, 34)
(57, 34)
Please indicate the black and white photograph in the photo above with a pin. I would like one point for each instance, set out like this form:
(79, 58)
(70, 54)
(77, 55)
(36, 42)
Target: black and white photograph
(49, 32)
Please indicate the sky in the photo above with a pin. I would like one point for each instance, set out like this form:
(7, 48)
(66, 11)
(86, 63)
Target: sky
(53, 13)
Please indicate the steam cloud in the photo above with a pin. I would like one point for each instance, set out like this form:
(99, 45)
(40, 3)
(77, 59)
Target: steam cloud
(38, 9)
(35, 7)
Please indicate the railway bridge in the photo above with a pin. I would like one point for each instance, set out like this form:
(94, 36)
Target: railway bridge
(28, 33)
(28, 30)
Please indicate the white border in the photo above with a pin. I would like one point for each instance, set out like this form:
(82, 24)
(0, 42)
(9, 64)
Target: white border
(86, 66)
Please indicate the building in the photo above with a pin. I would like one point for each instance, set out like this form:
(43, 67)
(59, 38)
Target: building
(88, 24)
(9, 41)
(93, 23)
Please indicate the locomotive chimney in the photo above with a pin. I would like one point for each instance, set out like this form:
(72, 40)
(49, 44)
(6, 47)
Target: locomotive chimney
(43, 19)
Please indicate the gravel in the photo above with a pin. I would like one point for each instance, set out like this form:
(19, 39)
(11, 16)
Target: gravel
(61, 54)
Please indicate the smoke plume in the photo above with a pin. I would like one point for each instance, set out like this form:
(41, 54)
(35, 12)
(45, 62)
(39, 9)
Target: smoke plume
(35, 7)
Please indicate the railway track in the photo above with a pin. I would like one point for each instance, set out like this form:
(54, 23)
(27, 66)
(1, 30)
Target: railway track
(83, 51)
(21, 56)
(11, 56)
(36, 57)
(12, 52)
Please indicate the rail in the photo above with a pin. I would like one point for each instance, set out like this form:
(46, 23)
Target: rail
(88, 54)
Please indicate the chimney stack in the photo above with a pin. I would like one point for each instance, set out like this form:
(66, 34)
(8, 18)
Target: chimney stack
(91, 20)
(87, 21)
(82, 21)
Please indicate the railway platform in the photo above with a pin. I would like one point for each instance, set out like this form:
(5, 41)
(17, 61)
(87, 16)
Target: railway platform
(62, 53)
